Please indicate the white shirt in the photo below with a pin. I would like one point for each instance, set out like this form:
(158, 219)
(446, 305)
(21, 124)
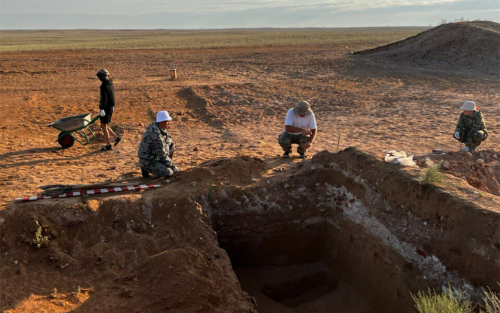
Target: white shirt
(306, 122)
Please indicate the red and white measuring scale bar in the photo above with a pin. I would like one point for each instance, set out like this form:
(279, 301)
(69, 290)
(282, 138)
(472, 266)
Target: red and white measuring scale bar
(89, 192)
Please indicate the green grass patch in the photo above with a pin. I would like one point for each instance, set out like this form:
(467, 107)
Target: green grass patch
(432, 175)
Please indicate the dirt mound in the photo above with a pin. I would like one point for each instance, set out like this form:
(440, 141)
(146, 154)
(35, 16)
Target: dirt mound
(159, 250)
(155, 252)
(465, 44)
(480, 170)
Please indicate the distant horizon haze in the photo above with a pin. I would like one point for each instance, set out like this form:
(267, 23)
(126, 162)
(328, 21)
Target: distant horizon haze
(223, 14)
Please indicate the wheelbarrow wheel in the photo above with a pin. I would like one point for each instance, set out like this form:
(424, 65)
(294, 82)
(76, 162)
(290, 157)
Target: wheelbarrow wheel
(66, 141)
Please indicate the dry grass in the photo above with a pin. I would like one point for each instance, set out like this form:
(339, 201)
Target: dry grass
(33, 40)
(452, 301)
(491, 301)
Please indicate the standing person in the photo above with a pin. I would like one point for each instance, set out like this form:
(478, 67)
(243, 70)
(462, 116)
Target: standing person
(300, 128)
(471, 128)
(107, 107)
(157, 148)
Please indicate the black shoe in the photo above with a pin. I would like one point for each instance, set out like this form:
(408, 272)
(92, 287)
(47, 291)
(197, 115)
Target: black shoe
(145, 173)
(286, 154)
(117, 140)
(302, 155)
(106, 148)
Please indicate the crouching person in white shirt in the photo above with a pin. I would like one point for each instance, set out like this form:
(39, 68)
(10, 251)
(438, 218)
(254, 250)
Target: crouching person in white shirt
(300, 129)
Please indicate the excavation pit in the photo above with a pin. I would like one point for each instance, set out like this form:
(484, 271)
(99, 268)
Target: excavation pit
(342, 232)
(350, 224)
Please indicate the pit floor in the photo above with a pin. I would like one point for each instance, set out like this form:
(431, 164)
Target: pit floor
(343, 299)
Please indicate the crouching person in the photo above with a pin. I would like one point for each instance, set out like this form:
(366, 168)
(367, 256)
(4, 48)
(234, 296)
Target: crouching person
(471, 128)
(300, 129)
(157, 148)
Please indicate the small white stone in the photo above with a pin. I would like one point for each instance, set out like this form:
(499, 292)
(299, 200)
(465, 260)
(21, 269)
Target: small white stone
(425, 223)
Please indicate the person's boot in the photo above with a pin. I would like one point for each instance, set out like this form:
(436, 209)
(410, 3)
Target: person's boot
(169, 173)
(302, 155)
(107, 148)
(145, 173)
(286, 155)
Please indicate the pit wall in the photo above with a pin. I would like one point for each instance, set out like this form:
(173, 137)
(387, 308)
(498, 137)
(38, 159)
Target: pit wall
(132, 254)
(376, 226)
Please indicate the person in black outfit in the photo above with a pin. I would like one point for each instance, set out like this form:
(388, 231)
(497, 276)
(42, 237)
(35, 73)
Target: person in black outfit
(107, 107)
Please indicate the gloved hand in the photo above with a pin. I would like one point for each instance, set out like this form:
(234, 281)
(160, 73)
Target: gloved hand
(175, 169)
(102, 113)
(457, 135)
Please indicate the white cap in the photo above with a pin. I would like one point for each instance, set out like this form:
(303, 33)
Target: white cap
(469, 106)
(162, 116)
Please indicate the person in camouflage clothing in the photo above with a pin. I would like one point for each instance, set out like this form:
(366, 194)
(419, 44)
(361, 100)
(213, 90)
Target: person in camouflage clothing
(471, 128)
(157, 148)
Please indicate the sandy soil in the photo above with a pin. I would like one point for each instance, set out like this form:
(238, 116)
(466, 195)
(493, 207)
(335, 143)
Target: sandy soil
(226, 102)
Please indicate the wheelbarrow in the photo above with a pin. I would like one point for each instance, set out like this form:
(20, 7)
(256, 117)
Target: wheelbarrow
(72, 126)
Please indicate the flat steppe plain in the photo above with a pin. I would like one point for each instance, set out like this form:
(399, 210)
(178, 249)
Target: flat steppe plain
(233, 90)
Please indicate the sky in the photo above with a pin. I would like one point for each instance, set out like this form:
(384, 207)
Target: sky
(213, 14)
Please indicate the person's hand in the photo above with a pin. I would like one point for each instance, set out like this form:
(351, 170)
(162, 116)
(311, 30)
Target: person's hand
(175, 169)
(308, 145)
(102, 113)
(457, 135)
(306, 132)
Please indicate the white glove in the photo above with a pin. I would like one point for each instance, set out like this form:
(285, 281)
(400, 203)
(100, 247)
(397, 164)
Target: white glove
(102, 113)
(175, 169)
(457, 135)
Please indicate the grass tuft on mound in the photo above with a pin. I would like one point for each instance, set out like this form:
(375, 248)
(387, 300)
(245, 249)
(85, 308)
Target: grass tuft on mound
(451, 301)
(432, 175)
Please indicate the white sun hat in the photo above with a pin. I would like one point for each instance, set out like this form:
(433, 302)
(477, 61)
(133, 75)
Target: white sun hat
(162, 116)
(469, 106)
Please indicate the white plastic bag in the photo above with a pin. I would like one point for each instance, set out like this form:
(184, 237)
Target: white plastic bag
(406, 161)
(399, 158)
(393, 155)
